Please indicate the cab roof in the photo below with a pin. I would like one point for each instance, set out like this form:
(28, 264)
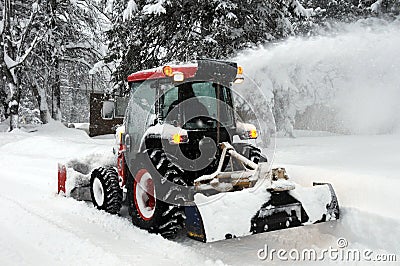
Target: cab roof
(222, 72)
(189, 70)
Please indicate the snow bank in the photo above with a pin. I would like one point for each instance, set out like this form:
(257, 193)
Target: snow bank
(362, 169)
(5, 125)
(354, 72)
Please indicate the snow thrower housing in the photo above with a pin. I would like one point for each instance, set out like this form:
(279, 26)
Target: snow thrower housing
(180, 164)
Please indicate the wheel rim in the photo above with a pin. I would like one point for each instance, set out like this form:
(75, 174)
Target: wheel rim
(144, 195)
(98, 192)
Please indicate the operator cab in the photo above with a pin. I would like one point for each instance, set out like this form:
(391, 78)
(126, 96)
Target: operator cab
(196, 105)
(183, 109)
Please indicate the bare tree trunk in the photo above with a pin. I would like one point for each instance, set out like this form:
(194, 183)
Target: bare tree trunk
(15, 92)
(40, 95)
(11, 80)
(13, 109)
(3, 102)
(9, 76)
(56, 88)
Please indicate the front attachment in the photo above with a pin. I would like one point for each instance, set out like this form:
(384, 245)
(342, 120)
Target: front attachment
(194, 223)
(62, 178)
(273, 204)
(333, 207)
(224, 215)
(74, 175)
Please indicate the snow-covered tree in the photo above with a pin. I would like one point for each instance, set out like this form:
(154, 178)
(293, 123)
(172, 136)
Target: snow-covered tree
(39, 40)
(149, 33)
(74, 37)
(329, 12)
(385, 6)
(20, 33)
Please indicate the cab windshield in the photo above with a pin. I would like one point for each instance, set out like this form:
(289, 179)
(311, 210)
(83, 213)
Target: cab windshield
(196, 105)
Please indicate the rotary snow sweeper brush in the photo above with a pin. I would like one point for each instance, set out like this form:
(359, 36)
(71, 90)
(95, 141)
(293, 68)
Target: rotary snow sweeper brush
(183, 162)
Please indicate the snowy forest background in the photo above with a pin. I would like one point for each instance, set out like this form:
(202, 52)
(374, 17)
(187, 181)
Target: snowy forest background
(55, 53)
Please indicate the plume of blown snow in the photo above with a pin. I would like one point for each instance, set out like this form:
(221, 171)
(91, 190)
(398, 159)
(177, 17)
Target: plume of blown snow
(355, 71)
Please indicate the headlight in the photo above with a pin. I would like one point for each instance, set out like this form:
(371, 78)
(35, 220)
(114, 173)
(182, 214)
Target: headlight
(252, 134)
(178, 139)
(179, 77)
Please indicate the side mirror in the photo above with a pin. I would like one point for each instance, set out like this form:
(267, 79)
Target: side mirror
(107, 111)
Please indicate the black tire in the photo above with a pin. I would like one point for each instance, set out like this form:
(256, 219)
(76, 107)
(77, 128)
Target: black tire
(165, 217)
(174, 185)
(104, 184)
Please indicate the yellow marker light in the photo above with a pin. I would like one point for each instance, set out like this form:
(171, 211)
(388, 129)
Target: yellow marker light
(168, 71)
(253, 134)
(176, 138)
(240, 70)
(239, 77)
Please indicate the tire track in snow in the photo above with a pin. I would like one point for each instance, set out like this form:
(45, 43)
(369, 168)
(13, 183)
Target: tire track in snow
(63, 229)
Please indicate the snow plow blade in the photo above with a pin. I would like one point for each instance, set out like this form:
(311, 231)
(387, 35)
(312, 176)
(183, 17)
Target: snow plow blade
(256, 210)
(254, 200)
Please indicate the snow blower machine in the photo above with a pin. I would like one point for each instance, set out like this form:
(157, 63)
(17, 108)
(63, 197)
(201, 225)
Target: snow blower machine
(184, 161)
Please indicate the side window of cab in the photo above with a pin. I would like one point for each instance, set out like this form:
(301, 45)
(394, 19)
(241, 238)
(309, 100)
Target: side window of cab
(140, 111)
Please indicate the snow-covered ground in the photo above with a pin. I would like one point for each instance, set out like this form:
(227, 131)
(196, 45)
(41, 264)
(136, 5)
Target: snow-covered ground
(39, 226)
